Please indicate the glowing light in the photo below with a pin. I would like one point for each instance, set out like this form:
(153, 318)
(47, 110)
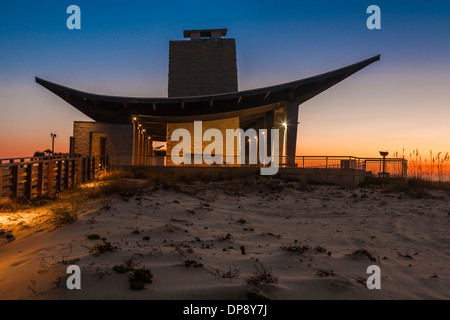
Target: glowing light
(134, 118)
(285, 124)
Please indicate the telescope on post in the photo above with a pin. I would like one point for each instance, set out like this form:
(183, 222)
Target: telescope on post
(384, 154)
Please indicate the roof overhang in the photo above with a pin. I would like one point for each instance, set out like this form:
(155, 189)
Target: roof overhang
(116, 109)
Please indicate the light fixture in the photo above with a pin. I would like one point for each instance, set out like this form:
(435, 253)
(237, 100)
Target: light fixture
(134, 118)
(140, 125)
(143, 130)
(285, 124)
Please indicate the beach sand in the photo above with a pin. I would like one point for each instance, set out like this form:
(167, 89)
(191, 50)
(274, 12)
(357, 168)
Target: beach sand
(304, 238)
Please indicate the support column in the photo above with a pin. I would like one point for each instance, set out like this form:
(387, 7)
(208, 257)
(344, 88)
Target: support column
(269, 124)
(279, 118)
(291, 132)
(260, 125)
(150, 143)
(139, 150)
(135, 143)
(145, 150)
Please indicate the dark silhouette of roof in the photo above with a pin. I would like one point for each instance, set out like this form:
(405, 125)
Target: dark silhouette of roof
(116, 109)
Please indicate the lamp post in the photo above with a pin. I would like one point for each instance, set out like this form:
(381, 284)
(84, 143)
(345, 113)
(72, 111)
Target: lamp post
(53, 135)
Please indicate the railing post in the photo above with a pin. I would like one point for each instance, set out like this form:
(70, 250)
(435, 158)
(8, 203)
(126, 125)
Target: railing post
(50, 178)
(79, 171)
(94, 168)
(66, 174)
(59, 176)
(84, 170)
(15, 181)
(40, 181)
(29, 180)
(1, 182)
(73, 173)
(88, 168)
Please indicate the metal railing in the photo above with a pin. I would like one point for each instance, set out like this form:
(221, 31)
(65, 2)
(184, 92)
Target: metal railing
(35, 178)
(396, 167)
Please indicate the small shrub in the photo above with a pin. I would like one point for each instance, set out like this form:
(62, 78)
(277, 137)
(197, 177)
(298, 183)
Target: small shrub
(231, 274)
(322, 273)
(128, 265)
(140, 278)
(226, 237)
(296, 247)
(102, 248)
(262, 275)
(193, 263)
(65, 214)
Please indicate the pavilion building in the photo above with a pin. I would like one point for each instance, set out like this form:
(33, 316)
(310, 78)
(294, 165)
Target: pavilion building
(202, 85)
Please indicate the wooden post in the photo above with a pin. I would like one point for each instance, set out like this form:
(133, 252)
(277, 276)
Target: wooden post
(29, 181)
(1, 182)
(50, 178)
(66, 174)
(94, 168)
(88, 168)
(15, 181)
(73, 184)
(59, 176)
(40, 182)
(79, 170)
(83, 170)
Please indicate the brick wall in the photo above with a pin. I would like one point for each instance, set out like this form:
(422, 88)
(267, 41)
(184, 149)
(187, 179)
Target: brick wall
(119, 140)
(202, 67)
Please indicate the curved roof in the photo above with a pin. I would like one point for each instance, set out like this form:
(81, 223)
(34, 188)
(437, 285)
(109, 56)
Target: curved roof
(116, 109)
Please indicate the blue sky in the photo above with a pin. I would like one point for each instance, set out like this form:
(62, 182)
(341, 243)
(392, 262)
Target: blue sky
(122, 49)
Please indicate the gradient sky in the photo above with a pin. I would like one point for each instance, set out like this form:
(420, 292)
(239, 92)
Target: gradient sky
(402, 101)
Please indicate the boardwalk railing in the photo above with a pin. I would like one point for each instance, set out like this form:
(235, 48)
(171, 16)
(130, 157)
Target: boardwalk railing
(29, 159)
(35, 178)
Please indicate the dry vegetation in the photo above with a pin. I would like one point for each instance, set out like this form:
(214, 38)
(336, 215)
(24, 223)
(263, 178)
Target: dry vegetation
(434, 167)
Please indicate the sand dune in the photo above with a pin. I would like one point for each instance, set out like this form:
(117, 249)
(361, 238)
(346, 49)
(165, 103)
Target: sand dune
(191, 238)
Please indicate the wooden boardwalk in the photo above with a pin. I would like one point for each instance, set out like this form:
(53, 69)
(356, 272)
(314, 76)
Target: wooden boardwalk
(35, 177)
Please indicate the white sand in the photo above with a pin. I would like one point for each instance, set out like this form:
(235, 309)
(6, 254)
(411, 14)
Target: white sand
(193, 226)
